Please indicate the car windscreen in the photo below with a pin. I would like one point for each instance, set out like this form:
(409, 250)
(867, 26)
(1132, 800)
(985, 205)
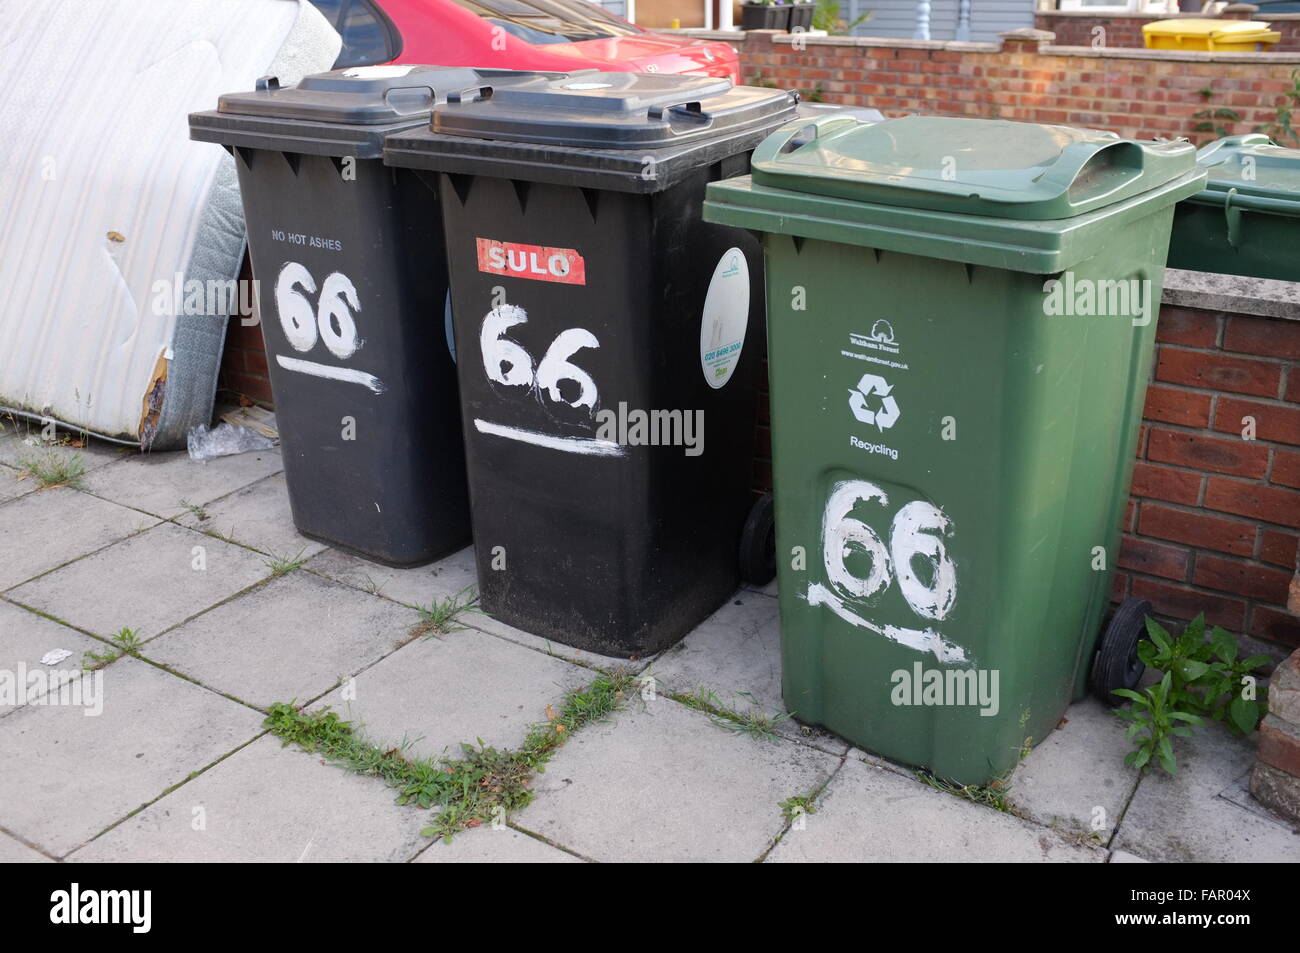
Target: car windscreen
(367, 37)
(550, 21)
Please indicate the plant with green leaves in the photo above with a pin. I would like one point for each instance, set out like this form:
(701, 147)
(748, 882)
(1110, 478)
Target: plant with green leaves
(1202, 679)
(1280, 128)
(826, 16)
(797, 804)
(125, 641)
(1215, 119)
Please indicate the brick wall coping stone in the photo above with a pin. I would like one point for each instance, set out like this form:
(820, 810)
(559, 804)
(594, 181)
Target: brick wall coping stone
(1181, 56)
(1130, 15)
(1016, 37)
(1213, 292)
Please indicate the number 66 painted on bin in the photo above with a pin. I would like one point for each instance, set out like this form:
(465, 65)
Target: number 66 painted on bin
(506, 362)
(331, 321)
(919, 528)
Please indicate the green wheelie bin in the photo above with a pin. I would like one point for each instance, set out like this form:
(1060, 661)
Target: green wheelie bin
(1246, 221)
(961, 320)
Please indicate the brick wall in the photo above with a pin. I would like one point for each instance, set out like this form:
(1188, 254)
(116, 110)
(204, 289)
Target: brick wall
(1076, 28)
(1214, 519)
(243, 362)
(1134, 92)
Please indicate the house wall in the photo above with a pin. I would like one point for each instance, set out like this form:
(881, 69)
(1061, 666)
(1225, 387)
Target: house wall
(897, 18)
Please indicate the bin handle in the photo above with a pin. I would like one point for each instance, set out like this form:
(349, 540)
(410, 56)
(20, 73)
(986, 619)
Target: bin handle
(691, 112)
(1078, 170)
(425, 102)
(794, 134)
(1232, 217)
(470, 94)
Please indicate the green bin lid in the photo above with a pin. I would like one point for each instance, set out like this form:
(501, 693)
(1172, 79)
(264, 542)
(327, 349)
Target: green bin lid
(983, 167)
(1024, 197)
(1258, 174)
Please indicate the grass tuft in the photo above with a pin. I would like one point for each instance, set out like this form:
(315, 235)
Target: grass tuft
(483, 785)
(281, 565)
(755, 722)
(439, 618)
(51, 469)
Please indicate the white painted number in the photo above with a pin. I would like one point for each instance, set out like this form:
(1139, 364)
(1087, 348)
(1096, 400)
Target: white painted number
(338, 302)
(555, 367)
(296, 314)
(920, 530)
(503, 359)
(918, 533)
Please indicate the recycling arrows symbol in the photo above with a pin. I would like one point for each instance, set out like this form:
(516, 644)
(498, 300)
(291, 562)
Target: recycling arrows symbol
(883, 418)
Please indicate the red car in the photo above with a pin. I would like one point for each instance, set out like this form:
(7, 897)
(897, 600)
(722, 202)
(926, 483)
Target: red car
(561, 35)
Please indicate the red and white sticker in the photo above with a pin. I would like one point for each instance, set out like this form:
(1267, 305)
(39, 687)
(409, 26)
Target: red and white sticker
(538, 262)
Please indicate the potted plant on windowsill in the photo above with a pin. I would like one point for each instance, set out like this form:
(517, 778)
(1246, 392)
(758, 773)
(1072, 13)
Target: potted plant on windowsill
(765, 15)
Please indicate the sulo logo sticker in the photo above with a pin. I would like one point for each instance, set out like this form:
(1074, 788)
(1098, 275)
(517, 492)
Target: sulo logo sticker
(538, 262)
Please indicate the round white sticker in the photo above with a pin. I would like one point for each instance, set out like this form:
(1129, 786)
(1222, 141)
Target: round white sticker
(725, 319)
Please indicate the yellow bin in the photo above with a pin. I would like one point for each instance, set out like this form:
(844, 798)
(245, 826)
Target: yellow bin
(1221, 36)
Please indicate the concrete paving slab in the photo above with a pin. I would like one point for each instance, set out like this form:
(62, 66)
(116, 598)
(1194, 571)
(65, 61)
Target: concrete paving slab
(485, 623)
(1238, 793)
(736, 655)
(257, 516)
(487, 846)
(148, 582)
(292, 639)
(658, 782)
(13, 484)
(420, 586)
(871, 815)
(48, 528)
(25, 640)
(440, 693)
(69, 775)
(13, 851)
(1182, 818)
(1075, 780)
(268, 804)
(453, 576)
(1124, 857)
(158, 482)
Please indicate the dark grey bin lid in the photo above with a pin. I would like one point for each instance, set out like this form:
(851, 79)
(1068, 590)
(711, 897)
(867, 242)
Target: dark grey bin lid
(594, 129)
(341, 112)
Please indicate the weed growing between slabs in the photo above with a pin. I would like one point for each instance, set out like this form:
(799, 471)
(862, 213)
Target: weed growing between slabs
(995, 793)
(50, 470)
(483, 785)
(754, 722)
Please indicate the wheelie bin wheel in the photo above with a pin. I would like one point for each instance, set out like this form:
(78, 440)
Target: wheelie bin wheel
(758, 543)
(1117, 664)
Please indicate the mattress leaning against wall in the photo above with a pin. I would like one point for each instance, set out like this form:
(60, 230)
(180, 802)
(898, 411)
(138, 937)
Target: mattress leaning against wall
(105, 202)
